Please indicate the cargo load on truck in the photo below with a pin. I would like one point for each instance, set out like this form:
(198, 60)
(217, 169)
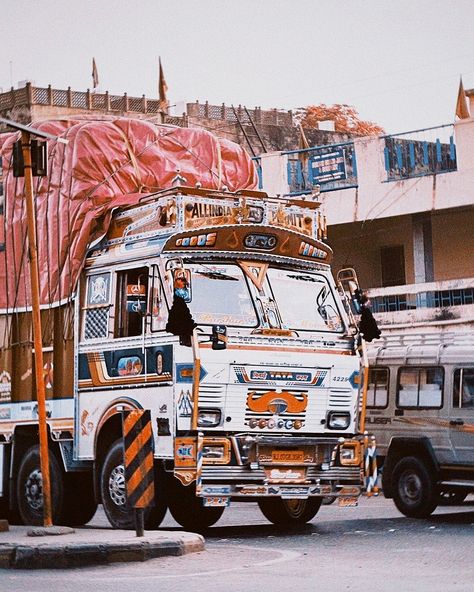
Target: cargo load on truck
(106, 164)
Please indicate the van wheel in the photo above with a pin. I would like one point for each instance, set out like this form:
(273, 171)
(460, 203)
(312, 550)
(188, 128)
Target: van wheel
(413, 488)
(114, 496)
(187, 509)
(289, 512)
(29, 488)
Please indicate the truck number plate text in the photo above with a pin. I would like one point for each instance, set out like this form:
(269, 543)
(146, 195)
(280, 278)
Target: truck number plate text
(287, 456)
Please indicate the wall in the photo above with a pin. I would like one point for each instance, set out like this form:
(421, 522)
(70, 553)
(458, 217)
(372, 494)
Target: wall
(376, 198)
(453, 244)
(358, 245)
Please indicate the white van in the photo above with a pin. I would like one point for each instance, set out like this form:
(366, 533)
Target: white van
(420, 407)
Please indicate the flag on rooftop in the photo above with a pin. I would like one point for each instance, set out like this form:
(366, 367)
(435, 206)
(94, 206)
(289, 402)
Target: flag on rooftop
(162, 89)
(95, 75)
(462, 112)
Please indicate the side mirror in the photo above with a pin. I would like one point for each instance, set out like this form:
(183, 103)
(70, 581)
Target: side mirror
(356, 294)
(219, 337)
(182, 284)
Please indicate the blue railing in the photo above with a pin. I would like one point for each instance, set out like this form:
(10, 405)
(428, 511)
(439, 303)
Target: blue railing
(328, 167)
(418, 153)
(431, 299)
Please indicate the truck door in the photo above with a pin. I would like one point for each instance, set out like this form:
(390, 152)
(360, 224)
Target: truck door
(462, 415)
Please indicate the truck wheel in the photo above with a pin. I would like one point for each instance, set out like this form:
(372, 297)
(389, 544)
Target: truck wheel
(29, 488)
(79, 501)
(114, 496)
(283, 512)
(413, 488)
(187, 509)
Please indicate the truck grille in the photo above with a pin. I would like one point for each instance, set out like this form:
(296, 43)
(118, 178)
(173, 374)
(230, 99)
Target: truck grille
(212, 395)
(340, 400)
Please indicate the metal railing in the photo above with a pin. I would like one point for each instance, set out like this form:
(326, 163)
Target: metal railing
(328, 168)
(245, 115)
(421, 152)
(91, 101)
(441, 295)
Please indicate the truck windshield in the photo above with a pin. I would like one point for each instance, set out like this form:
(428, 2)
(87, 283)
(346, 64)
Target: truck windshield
(305, 300)
(220, 295)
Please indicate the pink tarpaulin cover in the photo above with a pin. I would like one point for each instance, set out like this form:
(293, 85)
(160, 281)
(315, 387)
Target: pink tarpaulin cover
(107, 163)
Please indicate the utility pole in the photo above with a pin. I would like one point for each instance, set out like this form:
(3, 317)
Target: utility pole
(26, 134)
(37, 332)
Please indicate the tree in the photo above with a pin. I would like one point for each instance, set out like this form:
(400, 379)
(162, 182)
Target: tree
(346, 119)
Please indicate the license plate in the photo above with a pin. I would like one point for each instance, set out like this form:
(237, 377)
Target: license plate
(348, 502)
(287, 456)
(213, 502)
(294, 493)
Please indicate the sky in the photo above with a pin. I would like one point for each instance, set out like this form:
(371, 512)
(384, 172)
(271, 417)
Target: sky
(397, 62)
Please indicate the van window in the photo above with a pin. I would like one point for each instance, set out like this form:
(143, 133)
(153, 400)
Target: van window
(377, 391)
(131, 302)
(463, 383)
(420, 387)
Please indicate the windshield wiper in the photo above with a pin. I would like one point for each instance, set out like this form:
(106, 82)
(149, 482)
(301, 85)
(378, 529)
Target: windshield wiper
(304, 278)
(217, 275)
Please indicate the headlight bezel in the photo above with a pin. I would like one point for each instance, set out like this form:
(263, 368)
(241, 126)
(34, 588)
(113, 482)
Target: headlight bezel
(209, 411)
(337, 415)
(354, 447)
(216, 444)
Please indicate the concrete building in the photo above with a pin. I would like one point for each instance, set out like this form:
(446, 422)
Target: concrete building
(400, 210)
(257, 130)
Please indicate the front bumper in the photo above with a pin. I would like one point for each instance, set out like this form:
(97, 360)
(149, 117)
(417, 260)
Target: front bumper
(291, 467)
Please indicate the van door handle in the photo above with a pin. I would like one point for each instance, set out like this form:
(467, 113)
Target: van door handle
(456, 422)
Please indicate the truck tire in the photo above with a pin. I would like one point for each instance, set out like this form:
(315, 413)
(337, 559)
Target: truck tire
(79, 504)
(289, 512)
(414, 491)
(187, 509)
(29, 488)
(114, 496)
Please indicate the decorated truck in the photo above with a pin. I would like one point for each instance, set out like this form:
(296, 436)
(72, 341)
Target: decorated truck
(170, 284)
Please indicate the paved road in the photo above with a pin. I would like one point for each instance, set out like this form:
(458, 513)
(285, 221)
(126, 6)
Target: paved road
(371, 547)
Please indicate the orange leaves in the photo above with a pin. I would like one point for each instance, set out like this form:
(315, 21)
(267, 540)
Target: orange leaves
(346, 119)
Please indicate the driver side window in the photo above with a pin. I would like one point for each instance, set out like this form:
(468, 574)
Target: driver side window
(131, 302)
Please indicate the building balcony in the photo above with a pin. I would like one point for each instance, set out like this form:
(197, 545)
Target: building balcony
(433, 305)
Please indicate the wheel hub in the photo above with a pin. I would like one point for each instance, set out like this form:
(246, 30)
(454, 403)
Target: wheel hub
(34, 490)
(410, 488)
(117, 486)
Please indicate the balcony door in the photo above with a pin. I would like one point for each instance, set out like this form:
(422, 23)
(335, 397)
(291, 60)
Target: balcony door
(393, 265)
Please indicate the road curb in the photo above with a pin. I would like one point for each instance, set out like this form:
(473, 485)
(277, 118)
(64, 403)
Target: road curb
(54, 556)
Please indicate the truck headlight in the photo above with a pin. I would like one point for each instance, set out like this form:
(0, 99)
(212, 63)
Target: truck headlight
(209, 418)
(349, 453)
(216, 451)
(338, 420)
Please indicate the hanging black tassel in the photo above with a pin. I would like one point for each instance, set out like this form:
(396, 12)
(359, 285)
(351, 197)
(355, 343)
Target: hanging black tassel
(368, 325)
(180, 321)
